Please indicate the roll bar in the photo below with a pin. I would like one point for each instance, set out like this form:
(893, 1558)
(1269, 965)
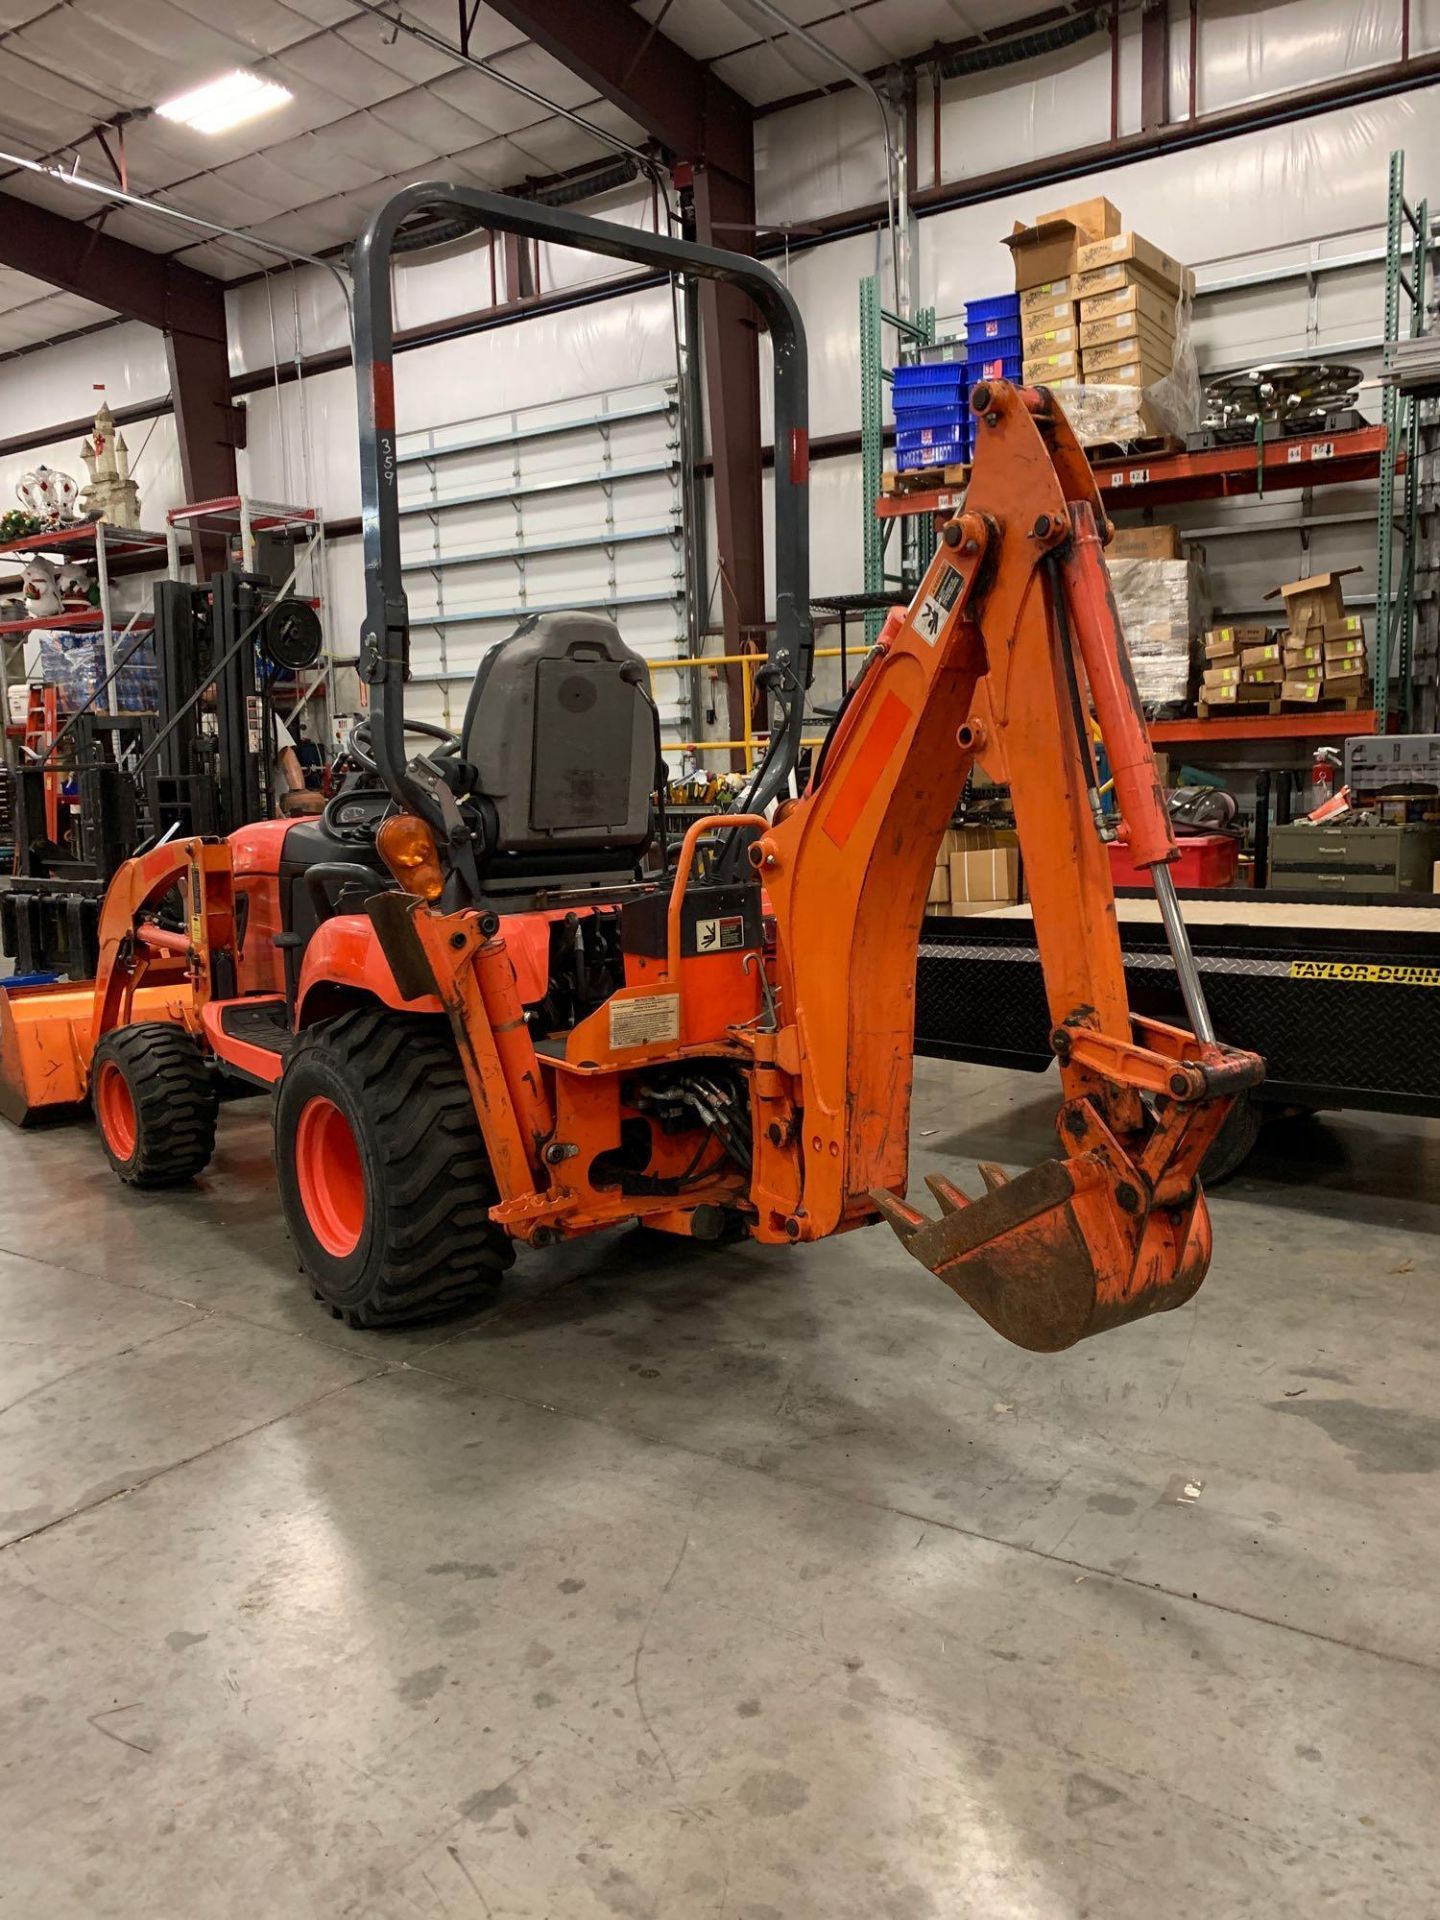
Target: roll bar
(385, 642)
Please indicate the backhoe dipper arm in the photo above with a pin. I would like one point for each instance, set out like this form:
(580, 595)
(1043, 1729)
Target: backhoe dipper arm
(991, 661)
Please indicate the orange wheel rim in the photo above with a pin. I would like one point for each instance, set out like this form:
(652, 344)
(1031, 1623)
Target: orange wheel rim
(115, 1106)
(330, 1176)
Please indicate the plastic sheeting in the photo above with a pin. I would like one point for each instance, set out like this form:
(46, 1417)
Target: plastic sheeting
(1163, 608)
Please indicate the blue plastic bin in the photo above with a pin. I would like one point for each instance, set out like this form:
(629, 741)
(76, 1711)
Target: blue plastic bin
(1000, 306)
(999, 366)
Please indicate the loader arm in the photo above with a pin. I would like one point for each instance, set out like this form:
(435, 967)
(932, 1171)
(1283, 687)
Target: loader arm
(991, 661)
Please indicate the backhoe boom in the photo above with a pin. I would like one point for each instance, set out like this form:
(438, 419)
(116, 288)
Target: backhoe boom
(1012, 622)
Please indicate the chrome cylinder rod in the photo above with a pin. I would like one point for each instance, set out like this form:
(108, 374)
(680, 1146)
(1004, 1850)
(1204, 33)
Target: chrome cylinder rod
(1178, 937)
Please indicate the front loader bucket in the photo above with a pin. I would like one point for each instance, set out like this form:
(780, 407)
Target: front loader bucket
(42, 1066)
(45, 1045)
(1047, 1260)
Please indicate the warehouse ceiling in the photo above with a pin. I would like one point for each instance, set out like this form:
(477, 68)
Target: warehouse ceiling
(371, 109)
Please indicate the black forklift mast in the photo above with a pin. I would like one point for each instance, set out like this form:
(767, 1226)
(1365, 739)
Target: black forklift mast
(213, 771)
(385, 640)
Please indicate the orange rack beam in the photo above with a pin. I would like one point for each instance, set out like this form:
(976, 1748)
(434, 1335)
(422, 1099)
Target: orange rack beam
(1170, 479)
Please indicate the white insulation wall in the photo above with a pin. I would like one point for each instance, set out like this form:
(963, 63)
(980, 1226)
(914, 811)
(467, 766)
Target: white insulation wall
(1292, 195)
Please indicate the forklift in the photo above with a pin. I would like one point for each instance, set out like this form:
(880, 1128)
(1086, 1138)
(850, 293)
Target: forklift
(108, 784)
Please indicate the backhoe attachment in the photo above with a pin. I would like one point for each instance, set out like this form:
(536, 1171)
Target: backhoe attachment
(1016, 615)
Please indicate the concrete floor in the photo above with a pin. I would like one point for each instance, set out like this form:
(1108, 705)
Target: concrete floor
(749, 1584)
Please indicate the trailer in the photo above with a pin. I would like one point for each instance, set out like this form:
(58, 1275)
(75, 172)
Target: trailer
(1341, 998)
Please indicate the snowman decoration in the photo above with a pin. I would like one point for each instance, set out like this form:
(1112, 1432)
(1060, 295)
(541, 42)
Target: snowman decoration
(40, 582)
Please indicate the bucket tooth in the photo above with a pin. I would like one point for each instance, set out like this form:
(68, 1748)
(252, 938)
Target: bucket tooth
(949, 1196)
(904, 1219)
(993, 1176)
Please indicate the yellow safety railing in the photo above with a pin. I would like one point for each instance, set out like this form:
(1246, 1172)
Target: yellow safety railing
(747, 663)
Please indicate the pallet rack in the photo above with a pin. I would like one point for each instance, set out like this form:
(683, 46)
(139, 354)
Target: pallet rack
(110, 549)
(917, 539)
(1398, 454)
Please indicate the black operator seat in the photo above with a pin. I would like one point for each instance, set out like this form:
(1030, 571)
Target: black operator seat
(562, 733)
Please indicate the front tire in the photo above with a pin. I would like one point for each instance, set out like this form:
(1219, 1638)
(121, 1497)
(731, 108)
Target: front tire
(155, 1104)
(384, 1178)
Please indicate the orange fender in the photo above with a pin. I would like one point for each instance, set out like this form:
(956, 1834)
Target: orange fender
(344, 960)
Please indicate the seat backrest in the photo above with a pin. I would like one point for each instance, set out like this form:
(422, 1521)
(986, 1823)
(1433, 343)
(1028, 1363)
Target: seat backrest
(562, 734)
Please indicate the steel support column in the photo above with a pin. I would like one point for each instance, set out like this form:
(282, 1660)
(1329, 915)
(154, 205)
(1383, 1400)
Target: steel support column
(725, 217)
(1155, 65)
(205, 421)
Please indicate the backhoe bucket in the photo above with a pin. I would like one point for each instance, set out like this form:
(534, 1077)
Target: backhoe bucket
(1059, 1252)
(45, 1045)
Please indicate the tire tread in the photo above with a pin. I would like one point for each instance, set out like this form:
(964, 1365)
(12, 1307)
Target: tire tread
(443, 1248)
(175, 1102)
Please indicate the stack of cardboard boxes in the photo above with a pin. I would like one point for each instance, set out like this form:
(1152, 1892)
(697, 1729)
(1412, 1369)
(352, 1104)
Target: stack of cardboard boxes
(1098, 307)
(1319, 656)
(1129, 294)
(1242, 666)
(1323, 646)
(1047, 280)
(976, 870)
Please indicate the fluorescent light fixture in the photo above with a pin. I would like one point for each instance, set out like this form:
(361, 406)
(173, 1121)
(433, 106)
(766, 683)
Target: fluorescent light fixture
(224, 103)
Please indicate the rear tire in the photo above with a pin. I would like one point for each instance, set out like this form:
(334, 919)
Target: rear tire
(384, 1178)
(155, 1103)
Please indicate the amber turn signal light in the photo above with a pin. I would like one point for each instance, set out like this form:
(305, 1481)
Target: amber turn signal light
(408, 848)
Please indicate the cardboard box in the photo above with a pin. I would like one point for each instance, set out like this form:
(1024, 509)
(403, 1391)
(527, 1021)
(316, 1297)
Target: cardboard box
(1311, 603)
(1267, 654)
(1302, 653)
(1037, 323)
(1219, 677)
(1155, 304)
(1048, 293)
(1049, 367)
(1095, 218)
(1131, 327)
(1129, 373)
(1126, 273)
(1337, 650)
(1307, 676)
(1348, 627)
(1158, 542)
(1130, 247)
(1042, 340)
(1225, 696)
(939, 884)
(1101, 365)
(1346, 686)
(1043, 253)
(1308, 691)
(1271, 674)
(987, 873)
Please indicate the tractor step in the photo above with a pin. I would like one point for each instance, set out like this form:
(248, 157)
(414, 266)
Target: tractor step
(252, 1037)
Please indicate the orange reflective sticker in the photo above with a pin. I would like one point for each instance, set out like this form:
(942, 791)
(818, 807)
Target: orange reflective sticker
(871, 757)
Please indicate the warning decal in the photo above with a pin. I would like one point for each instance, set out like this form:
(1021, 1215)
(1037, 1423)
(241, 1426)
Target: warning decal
(645, 1022)
(720, 935)
(1360, 973)
(934, 609)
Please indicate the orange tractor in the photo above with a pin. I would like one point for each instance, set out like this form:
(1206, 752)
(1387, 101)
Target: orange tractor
(495, 1004)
